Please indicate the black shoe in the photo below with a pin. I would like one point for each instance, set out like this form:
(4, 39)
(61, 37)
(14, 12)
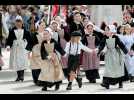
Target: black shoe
(79, 80)
(0, 68)
(22, 80)
(44, 88)
(69, 87)
(131, 79)
(104, 85)
(57, 87)
(38, 83)
(17, 80)
(93, 81)
(120, 86)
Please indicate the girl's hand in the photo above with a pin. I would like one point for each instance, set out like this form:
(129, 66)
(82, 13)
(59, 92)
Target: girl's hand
(96, 50)
(29, 55)
(8, 48)
(131, 53)
(102, 53)
(49, 57)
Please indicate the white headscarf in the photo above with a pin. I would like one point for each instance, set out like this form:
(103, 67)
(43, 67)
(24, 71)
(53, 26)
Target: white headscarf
(112, 28)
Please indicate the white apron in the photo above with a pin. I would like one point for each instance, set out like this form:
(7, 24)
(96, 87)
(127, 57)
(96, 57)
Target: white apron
(114, 60)
(18, 53)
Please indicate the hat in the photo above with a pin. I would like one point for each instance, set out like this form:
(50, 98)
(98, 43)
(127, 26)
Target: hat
(112, 28)
(18, 18)
(76, 33)
(53, 21)
(49, 30)
(90, 23)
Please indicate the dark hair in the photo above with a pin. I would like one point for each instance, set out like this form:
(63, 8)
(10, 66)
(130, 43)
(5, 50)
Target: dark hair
(118, 29)
(107, 27)
(76, 13)
(31, 9)
(4, 7)
(40, 23)
(115, 24)
(74, 8)
(103, 25)
(85, 18)
(83, 15)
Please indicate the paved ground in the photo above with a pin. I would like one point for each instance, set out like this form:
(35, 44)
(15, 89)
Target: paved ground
(8, 86)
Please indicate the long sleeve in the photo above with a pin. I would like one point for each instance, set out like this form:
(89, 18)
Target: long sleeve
(10, 38)
(58, 47)
(43, 51)
(132, 48)
(121, 45)
(102, 44)
(29, 40)
(121, 37)
(33, 41)
(84, 48)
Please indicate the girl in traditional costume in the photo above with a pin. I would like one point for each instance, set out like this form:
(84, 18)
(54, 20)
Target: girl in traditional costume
(51, 71)
(114, 62)
(90, 61)
(19, 44)
(36, 61)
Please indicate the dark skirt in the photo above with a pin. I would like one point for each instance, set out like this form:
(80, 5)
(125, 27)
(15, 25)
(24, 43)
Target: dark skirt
(73, 63)
(65, 71)
(112, 81)
(92, 74)
(126, 76)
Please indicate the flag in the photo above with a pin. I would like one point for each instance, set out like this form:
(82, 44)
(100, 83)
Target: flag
(55, 10)
(64, 11)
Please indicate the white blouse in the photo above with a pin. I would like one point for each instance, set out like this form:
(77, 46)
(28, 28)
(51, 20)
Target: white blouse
(76, 48)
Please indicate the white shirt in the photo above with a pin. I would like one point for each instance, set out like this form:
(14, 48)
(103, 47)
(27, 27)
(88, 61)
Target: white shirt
(73, 49)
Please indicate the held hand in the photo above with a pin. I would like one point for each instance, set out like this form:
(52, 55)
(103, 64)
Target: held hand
(131, 53)
(8, 48)
(65, 55)
(103, 53)
(96, 50)
(29, 55)
(49, 57)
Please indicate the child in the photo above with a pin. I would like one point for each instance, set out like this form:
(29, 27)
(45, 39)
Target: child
(64, 60)
(19, 40)
(128, 40)
(114, 62)
(90, 62)
(73, 49)
(131, 63)
(51, 70)
(36, 57)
